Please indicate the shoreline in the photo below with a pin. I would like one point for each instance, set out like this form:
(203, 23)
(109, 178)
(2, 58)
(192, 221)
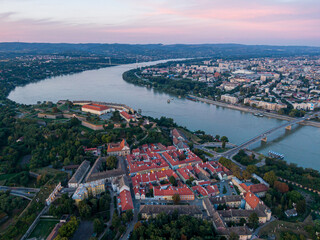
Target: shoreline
(249, 110)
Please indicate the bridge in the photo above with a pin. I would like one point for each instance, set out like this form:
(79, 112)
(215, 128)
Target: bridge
(263, 136)
(27, 193)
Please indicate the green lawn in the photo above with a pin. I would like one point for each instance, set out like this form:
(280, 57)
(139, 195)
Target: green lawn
(43, 228)
(218, 149)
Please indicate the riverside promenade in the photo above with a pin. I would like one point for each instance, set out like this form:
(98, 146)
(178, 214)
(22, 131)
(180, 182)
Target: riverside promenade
(252, 110)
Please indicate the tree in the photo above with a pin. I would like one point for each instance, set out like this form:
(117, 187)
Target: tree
(173, 180)
(115, 221)
(111, 162)
(176, 198)
(252, 169)
(224, 191)
(281, 186)
(242, 221)
(246, 174)
(301, 206)
(98, 225)
(233, 236)
(84, 209)
(224, 139)
(129, 214)
(253, 220)
(270, 177)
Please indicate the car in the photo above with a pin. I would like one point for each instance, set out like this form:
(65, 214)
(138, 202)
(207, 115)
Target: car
(231, 186)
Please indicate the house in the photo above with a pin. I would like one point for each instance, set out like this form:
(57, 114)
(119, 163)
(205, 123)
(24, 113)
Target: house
(120, 183)
(126, 116)
(118, 149)
(151, 211)
(258, 189)
(92, 188)
(291, 213)
(167, 194)
(79, 175)
(94, 108)
(252, 201)
(232, 201)
(125, 200)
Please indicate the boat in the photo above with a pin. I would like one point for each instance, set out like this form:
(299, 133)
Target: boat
(191, 98)
(258, 114)
(275, 155)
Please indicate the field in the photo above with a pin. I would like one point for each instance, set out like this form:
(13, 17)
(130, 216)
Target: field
(43, 228)
(276, 227)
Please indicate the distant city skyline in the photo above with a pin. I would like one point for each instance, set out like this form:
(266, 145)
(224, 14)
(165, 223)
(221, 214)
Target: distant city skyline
(271, 22)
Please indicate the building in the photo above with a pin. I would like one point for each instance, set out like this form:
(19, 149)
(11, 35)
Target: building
(265, 105)
(151, 211)
(118, 149)
(126, 116)
(232, 201)
(180, 158)
(259, 190)
(79, 175)
(118, 184)
(291, 213)
(91, 188)
(125, 200)
(229, 99)
(252, 201)
(235, 215)
(94, 108)
(95, 172)
(167, 194)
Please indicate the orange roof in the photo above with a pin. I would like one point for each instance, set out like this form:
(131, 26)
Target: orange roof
(252, 200)
(96, 107)
(116, 147)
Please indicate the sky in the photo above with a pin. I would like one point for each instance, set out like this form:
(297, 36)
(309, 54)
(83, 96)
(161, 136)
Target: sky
(273, 22)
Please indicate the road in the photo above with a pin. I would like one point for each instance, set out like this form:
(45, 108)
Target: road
(108, 224)
(233, 151)
(23, 189)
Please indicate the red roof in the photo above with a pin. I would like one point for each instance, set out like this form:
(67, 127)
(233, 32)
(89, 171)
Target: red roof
(170, 191)
(126, 115)
(116, 147)
(125, 200)
(255, 188)
(96, 107)
(252, 200)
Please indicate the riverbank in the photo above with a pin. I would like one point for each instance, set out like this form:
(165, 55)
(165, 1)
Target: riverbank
(250, 110)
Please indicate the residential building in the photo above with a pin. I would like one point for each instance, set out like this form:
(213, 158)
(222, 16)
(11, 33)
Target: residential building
(79, 175)
(151, 211)
(118, 149)
(94, 108)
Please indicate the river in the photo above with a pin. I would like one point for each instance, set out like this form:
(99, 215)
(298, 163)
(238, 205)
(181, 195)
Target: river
(301, 145)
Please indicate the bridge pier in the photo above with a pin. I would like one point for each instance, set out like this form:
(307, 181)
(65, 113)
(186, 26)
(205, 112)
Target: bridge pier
(265, 139)
(288, 127)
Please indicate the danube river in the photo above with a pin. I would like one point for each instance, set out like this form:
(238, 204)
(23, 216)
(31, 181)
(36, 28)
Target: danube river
(301, 145)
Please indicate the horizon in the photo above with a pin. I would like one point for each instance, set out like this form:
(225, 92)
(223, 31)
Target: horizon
(269, 22)
(163, 44)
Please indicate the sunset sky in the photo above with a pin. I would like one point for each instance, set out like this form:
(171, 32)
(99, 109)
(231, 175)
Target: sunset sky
(277, 22)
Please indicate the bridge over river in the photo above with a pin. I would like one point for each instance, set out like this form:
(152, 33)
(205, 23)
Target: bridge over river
(263, 136)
